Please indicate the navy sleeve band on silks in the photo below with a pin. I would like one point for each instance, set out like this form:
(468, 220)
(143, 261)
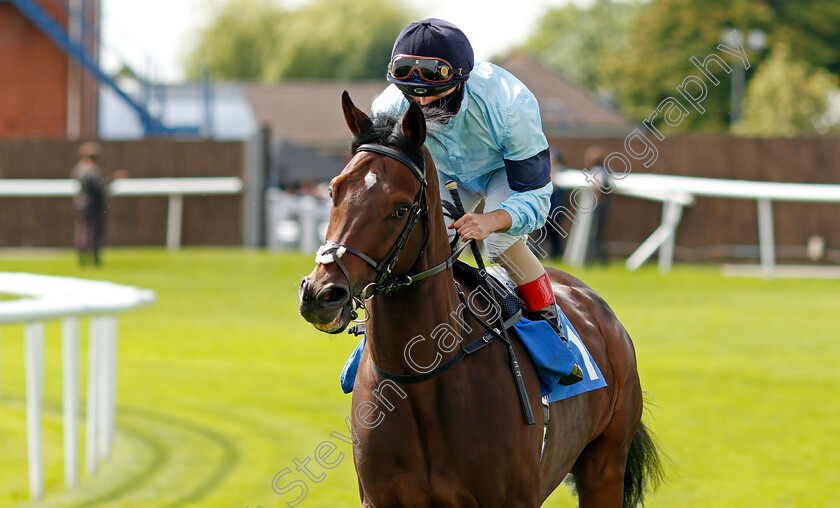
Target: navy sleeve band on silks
(529, 174)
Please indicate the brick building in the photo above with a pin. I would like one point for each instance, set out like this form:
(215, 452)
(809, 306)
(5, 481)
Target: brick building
(44, 92)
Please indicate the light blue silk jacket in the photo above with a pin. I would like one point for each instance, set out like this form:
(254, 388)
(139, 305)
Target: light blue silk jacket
(499, 119)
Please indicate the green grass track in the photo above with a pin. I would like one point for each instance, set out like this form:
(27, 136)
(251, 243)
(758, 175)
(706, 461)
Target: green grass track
(222, 386)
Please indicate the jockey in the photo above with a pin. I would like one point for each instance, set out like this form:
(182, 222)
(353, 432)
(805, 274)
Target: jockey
(490, 142)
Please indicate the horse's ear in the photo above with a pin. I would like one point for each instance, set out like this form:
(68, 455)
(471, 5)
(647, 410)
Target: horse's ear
(414, 124)
(355, 118)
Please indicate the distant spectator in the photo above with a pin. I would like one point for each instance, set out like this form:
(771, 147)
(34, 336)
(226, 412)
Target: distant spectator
(90, 203)
(553, 240)
(594, 159)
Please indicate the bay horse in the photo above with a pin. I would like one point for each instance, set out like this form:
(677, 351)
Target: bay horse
(458, 438)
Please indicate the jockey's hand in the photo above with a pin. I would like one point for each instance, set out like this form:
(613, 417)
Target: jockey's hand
(478, 226)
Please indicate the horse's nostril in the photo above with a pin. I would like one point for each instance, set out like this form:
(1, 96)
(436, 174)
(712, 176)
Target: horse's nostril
(333, 295)
(306, 293)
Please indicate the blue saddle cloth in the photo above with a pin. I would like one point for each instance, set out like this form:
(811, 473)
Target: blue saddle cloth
(552, 358)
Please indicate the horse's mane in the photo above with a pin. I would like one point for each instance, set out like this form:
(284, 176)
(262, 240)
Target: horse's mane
(387, 130)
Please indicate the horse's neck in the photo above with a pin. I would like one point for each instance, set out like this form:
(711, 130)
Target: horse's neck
(418, 310)
(408, 318)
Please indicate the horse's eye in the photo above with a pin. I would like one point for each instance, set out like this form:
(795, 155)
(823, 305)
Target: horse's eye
(329, 191)
(401, 212)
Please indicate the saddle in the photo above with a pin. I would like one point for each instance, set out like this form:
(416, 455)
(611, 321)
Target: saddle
(512, 312)
(506, 300)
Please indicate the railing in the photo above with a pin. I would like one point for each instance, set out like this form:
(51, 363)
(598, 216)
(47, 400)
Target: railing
(675, 192)
(175, 188)
(46, 298)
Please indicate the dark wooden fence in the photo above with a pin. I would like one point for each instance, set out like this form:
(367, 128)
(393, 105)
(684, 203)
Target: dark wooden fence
(713, 223)
(217, 220)
(48, 222)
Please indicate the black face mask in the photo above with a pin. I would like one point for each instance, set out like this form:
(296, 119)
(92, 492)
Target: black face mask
(445, 106)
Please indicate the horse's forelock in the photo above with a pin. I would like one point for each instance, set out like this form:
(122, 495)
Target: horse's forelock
(387, 130)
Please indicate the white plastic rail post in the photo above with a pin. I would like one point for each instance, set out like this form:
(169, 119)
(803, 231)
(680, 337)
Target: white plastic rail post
(72, 379)
(33, 353)
(663, 236)
(578, 243)
(174, 221)
(110, 429)
(671, 214)
(765, 237)
(307, 213)
(107, 394)
(91, 417)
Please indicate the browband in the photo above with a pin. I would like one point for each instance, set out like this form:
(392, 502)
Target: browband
(394, 154)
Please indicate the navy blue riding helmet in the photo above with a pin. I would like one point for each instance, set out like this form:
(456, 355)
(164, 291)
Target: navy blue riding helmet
(446, 58)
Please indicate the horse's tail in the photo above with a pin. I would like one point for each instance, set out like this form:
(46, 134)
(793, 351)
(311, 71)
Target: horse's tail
(643, 472)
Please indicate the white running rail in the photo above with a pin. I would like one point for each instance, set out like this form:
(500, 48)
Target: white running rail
(45, 298)
(174, 188)
(677, 192)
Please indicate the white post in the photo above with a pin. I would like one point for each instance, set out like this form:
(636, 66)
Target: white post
(71, 382)
(765, 237)
(107, 385)
(575, 254)
(34, 364)
(671, 213)
(91, 417)
(173, 221)
(110, 430)
(307, 214)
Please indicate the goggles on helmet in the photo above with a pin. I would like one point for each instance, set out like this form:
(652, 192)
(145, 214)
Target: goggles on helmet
(431, 70)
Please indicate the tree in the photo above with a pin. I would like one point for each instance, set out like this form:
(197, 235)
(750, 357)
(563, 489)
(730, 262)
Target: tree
(339, 39)
(786, 97)
(662, 38)
(577, 41)
(324, 39)
(241, 37)
(645, 57)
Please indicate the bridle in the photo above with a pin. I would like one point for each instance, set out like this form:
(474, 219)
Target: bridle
(332, 251)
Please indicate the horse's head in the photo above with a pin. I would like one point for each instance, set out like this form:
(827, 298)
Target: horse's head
(379, 218)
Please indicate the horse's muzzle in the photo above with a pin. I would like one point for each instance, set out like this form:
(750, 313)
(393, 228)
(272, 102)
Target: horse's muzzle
(327, 306)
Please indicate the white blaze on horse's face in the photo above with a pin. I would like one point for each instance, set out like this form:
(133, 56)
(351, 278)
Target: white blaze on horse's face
(370, 179)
